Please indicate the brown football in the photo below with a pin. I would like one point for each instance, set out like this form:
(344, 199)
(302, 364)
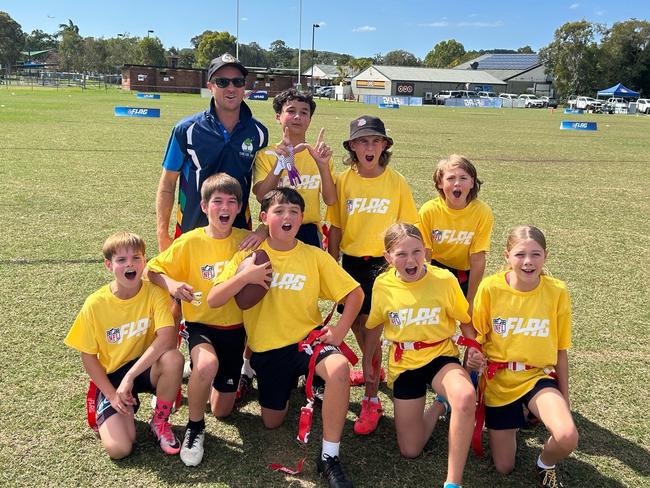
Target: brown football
(251, 294)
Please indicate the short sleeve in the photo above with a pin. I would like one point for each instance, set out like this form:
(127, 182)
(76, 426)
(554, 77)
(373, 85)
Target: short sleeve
(564, 321)
(82, 333)
(481, 313)
(481, 241)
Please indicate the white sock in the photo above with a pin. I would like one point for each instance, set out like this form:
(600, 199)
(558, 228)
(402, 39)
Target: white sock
(246, 368)
(330, 449)
(372, 399)
(542, 465)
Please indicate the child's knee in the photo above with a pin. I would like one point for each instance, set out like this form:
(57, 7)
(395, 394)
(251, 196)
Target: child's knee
(272, 423)
(338, 369)
(504, 466)
(464, 402)
(409, 452)
(206, 369)
(172, 361)
(118, 450)
(567, 440)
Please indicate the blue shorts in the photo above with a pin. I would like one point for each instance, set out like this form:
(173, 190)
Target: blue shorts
(511, 416)
(365, 271)
(278, 371)
(413, 383)
(228, 344)
(142, 383)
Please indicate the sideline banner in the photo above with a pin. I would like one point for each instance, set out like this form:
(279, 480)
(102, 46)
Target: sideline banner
(386, 99)
(136, 112)
(474, 102)
(569, 125)
(152, 96)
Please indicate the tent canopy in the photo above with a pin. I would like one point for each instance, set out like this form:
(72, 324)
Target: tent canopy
(618, 90)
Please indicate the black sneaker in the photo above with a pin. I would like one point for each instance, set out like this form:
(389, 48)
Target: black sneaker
(244, 386)
(548, 477)
(330, 468)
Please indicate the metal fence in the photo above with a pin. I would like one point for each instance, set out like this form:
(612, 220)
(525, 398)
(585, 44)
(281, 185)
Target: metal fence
(56, 79)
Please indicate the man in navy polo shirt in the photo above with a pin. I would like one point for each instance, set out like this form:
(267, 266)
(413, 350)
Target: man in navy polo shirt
(223, 138)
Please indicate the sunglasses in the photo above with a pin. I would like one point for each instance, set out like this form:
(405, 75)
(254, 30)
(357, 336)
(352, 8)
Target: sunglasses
(224, 82)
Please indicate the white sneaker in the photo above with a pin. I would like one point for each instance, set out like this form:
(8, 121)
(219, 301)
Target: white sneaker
(192, 448)
(187, 369)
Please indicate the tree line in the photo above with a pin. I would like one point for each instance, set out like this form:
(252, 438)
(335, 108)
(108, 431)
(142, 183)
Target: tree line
(582, 57)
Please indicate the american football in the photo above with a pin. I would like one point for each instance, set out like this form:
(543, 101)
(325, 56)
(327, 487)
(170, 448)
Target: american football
(252, 293)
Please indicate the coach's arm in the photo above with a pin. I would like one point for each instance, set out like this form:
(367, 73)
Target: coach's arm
(164, 206)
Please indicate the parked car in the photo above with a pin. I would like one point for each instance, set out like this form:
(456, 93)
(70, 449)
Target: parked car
(508, 96)
(443, 95)
(549, 101)
(324, 91)
(487, 94)
(589, 104)
(530, 101)
(643, 105)
(615, 105)
(467, 94)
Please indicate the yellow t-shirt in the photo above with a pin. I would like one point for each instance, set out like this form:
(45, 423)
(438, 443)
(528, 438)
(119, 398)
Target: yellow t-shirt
(529, 327)
(119, 331)
(366, 207)
(452, 235)
(289, 311)
(424, 310)
(310, 186)
(197, 259)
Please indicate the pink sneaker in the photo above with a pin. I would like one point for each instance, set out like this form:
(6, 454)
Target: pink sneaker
(163, 432)
(371, 413)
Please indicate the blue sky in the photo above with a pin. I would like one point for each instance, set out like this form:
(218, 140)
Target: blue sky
(347, 26)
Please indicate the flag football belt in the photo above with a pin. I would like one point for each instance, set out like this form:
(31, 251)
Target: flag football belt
(91, 406)
(493, 367)
(312, 346)
(457, 339)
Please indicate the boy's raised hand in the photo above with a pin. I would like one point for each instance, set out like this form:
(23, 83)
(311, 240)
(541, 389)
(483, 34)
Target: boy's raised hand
(181, 291)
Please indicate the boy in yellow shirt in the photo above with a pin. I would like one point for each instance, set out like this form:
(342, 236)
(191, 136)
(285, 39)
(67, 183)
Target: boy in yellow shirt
(287, 314)
(127, 339)
(217, 337)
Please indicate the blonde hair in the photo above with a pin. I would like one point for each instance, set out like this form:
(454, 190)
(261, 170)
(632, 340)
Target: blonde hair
(522, 233)
(221, 183)
(122, 240)
(397, 232)
(457, 161)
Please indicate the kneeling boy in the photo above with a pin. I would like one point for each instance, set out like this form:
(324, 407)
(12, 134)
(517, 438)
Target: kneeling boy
(127, 339)
(287, 314)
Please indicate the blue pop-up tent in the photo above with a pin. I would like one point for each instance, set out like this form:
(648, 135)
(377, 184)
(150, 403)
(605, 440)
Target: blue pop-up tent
(618, 90)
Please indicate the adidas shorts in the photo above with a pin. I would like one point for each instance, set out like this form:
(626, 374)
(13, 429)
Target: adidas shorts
(228, 343)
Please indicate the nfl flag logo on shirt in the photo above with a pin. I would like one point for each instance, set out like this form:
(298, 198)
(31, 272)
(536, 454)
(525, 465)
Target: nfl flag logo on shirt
(348, 205)
(394, 318)
(207, 272)
(436, 235)
(113, 335)
(499, 325)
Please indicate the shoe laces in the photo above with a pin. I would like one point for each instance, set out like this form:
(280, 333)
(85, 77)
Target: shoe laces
(191, 438)
(333, 468)
(165, 432)
(550, 478)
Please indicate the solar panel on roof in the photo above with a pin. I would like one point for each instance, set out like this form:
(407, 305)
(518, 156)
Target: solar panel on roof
(509, 61)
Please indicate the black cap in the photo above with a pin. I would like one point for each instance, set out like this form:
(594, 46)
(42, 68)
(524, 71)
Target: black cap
(225, 59)
(367, 125)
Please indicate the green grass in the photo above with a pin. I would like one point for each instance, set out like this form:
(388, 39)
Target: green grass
(71, 173)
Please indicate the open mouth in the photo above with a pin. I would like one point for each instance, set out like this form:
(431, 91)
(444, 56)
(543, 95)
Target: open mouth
(370, 157)
(130, 275)
(411, 270)
(457, 193)
(286, 227)
(224, 218)
(528, 271)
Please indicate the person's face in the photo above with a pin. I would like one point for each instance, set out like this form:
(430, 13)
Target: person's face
(230, 97)
(526, 258)
(368, 149)
(221, 210)
(456, 184)
(127, 266)
(295, 116)
(283, 220)
(407, 256)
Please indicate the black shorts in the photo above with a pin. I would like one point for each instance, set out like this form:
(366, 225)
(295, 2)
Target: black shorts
(412, 384)
(511, 416)
(364, 270)
(141, 384)
(461, 275)
(278, 371)
(309, 234)
(229, 344)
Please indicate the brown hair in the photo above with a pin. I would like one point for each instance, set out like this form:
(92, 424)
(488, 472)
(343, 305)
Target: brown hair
(283, 194)
(221, 183)
(457, 161)
(397, 232)
(120, 240)
(521, 233)
(352, 161)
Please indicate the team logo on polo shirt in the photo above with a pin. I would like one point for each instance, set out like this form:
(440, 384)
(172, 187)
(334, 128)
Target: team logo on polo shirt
(499, 325)
(247, 145)
(394, 319)
(113, 335)
(207, 272)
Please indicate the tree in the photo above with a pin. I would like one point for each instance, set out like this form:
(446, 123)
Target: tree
(572, 58)
(525, 50)
(445, 54)
(253, 55)
(359, 64)
(121, 50)
(38, 40)
(625, 55)
(70, 48)
(12, 39)
(151, 52)
(95, 55)
(281, 55)
(400, 58)
(186, 58)
(214, 44)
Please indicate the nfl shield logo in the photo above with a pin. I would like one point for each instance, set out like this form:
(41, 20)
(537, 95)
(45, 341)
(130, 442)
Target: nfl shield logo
(499, 325)
(348, 205)
(394, 318)
(113, 335)
(207, 272)
(436, 235)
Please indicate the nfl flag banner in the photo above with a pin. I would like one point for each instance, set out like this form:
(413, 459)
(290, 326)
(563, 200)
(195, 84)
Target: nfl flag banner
(136, 112)
(569, 125)
(152, 96)
(389, 105)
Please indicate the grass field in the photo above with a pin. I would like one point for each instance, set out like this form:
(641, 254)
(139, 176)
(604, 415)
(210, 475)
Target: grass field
(71, 173)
